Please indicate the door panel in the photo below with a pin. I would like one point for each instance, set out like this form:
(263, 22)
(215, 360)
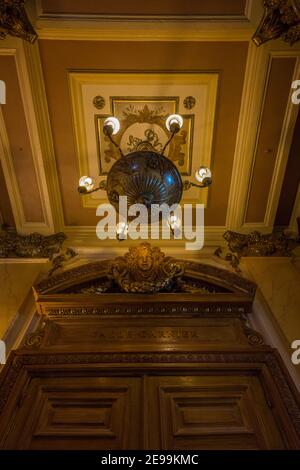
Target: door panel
(207, 412)
(213, 407)
(79, 413)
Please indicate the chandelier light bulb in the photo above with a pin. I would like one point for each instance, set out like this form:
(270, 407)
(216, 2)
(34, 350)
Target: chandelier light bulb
(203, 175)
(111, 126)
(174, 222)
(174, 123)
(86, 183)
(122, 230)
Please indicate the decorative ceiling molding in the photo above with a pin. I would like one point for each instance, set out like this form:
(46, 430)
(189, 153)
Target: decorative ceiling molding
(255, 83)
(281, 19)
(14, 21)
(284, 146)
(142, 30)
(135, 28)
(40, 107)
(56, 13)
(198, 136)
(16, 48)
(78, 235)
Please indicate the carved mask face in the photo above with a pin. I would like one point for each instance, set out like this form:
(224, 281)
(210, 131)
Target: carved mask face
(144, 262)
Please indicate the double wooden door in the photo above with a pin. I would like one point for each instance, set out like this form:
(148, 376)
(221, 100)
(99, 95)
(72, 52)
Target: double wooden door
(207, 408)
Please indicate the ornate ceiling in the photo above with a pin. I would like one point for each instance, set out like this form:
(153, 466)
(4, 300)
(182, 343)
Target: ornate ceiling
(92, 59)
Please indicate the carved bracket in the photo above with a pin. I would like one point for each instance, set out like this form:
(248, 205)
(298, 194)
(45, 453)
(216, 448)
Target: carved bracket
(34, 245)
(256, 244)
(14, 20)
(281, 19)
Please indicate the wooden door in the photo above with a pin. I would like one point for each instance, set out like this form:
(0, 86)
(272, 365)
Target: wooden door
(78, 413)
(210, 412)
(212, 409)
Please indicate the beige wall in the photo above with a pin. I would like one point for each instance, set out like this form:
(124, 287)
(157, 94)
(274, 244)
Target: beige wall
(278, 279)
(16, 280)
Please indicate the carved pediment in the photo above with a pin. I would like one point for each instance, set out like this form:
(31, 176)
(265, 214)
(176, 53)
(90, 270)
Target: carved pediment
(144, 283)
(144, 269)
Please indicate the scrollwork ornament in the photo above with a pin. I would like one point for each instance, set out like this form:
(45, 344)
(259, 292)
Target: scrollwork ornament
(34, 340)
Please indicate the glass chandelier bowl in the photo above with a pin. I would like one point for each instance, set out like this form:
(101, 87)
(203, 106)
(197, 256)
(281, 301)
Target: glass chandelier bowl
(145, 178)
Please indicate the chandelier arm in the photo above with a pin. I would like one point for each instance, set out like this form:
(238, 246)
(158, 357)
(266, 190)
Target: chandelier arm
(102, 186)
(115, 144)
(168, 141)
(188, 184)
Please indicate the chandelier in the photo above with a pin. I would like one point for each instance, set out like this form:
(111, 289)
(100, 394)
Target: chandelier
(145, 176)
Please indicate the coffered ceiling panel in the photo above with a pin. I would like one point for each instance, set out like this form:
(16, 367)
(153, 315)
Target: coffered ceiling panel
(136, 7)
(142, 102)
(291, 181)
(94, 59)
(215, 136)
(277, 92)
(16, 152)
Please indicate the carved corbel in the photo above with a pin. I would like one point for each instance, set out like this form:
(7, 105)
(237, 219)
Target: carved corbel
(281, 19)
(14, 20)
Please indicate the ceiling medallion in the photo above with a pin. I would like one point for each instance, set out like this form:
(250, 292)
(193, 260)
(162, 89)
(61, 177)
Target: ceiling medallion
(189, 102)
(14, 20)
(99, 102)
(281, 19)
(144, 176)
